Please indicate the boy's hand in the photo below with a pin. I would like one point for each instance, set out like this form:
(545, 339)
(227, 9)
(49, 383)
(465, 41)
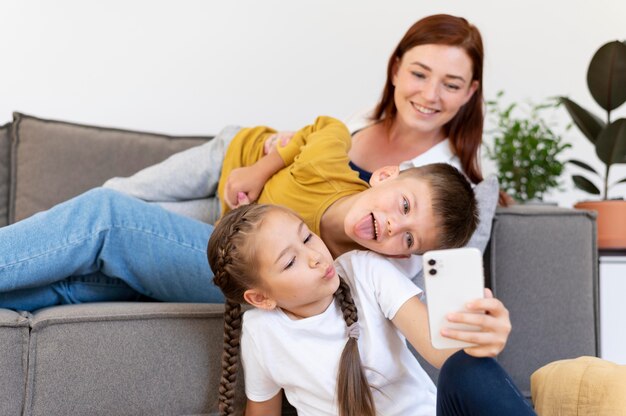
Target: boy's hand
(494, 325)
(243, 186)
(282, 137)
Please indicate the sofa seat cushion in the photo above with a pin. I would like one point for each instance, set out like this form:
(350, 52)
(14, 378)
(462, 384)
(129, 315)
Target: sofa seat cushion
(52, 161)
(13, 361)
(125, 358)
(582, 386)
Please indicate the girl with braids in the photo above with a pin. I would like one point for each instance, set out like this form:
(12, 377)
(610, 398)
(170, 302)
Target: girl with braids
(332, 334)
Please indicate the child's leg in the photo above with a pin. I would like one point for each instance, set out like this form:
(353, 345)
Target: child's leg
(478, 386)
(192, 174)
(94, 287)
(156, 253)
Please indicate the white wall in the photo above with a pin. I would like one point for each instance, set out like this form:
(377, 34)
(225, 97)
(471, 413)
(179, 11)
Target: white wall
(193, 66)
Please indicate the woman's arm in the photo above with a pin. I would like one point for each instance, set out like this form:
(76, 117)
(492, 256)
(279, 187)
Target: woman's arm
(495, 326)
(271, 407)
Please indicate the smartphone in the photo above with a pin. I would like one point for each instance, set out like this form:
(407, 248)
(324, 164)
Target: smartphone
(452, 278)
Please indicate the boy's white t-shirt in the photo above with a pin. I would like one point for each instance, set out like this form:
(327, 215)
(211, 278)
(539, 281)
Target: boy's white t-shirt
(302, 356)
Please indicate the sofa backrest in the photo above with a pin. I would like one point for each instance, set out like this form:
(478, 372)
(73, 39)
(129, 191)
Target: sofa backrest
(52, 161)
(5, 151)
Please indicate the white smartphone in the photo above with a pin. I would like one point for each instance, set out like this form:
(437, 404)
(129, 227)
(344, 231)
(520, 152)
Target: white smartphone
(452, 278)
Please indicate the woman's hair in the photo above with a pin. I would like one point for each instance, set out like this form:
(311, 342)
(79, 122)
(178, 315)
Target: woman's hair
(453, 200)
(233, 257)
(466, 128)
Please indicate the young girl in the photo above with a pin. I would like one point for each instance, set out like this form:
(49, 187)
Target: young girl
(332, 334)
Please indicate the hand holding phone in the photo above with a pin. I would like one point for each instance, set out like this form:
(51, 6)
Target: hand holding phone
(452, 277)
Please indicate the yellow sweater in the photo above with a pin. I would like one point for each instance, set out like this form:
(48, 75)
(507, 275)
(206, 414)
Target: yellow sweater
(316, 172)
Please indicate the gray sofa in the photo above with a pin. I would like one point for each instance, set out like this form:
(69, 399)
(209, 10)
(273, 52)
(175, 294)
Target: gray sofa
(164, 358)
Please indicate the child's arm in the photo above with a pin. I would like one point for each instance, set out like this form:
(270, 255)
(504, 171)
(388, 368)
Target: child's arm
(269, 407)
(412, 320)
(251, 179)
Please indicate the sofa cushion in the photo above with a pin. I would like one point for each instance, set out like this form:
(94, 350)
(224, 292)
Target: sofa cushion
(125, 358)
(582, 386)
(53, 161)
(5, 150)
(543, 265)
(13, 361)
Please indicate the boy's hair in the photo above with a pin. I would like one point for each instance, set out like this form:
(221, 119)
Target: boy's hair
(232, 257)
(453, 201)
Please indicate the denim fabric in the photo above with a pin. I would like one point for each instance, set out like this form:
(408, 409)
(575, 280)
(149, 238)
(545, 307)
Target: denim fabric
(104, 246)
(478, 386)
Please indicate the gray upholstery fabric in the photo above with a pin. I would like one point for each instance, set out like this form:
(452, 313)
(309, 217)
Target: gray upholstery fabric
(5, 151)
(53, 161)
(125, 358)
(544, 267)
(13, 360)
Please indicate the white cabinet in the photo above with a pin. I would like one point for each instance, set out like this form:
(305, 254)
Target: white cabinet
(613, 307)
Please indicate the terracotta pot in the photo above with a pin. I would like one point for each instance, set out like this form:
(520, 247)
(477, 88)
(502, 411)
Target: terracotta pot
(611, 222)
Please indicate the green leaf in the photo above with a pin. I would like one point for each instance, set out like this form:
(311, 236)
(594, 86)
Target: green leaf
(606, 76)
(582, 165)
(587, 122)
(585, 184)
(611, 143)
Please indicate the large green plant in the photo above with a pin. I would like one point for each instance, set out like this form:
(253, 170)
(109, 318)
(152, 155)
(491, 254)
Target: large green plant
(606, 79)
(525, 148)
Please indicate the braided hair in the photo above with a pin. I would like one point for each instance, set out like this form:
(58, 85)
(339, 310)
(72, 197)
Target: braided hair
(354, 395)
(232, 259)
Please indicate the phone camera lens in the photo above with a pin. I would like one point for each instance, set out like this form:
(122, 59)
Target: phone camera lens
(432, 262)
(432, 272)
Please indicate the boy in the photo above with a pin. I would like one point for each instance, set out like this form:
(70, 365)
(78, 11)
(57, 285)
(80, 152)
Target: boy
(403, 213)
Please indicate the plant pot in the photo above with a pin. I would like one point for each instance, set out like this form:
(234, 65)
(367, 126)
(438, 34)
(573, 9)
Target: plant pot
(611, 222)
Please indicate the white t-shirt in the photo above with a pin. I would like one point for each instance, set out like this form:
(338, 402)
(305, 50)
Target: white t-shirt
(302, 356)
(439, 153)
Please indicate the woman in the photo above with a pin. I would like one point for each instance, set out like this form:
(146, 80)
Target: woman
(431, 109)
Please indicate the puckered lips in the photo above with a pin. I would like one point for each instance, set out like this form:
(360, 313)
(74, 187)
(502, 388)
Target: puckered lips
(367, 228)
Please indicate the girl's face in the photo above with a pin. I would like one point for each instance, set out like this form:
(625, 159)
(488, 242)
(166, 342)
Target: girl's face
(432, 82)
(295, 267)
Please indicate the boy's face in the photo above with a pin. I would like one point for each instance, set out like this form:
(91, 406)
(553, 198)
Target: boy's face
(394, 217)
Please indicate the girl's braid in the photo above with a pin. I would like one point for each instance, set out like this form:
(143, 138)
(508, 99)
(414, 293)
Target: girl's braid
(230, 357)
(231, 267)
(354, 396)
(232, 325)
(348, 308)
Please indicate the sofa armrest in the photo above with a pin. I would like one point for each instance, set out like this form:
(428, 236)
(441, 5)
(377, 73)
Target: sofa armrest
(543, 264)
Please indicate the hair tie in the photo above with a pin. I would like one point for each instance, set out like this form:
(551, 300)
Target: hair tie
(354, 330)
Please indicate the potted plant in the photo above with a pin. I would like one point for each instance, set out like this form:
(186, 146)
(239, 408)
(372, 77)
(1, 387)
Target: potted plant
(606, 80)
(525, 149)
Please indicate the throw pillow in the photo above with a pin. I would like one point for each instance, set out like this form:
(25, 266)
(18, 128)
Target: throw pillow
(581, 386)
(53, 161)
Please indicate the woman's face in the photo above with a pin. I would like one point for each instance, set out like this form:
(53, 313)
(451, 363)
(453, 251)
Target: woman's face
(432, 82)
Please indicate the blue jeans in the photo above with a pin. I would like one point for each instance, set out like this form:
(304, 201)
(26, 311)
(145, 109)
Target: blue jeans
(478, 386)
(104, 246)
